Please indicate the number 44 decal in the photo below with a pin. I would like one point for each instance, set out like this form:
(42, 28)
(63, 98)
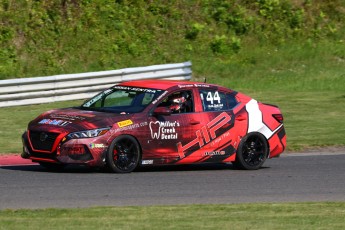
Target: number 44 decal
(211, 98)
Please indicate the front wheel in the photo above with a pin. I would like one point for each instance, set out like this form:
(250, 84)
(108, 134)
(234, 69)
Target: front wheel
(252, 152)
(124, 154)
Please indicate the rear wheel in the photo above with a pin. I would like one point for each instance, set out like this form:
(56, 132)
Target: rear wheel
(124, 154)
(252, 152)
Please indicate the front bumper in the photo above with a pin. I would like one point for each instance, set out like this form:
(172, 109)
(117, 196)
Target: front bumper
(90, 151)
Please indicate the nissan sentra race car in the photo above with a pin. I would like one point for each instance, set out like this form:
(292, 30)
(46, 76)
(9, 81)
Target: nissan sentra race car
(158, 122)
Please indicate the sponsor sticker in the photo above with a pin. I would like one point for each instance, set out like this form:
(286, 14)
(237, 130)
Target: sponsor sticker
(54, 122)
(184, 86)
(124, 123)
(215, 106)
(147, 162)
(215, 153)
(194, 85)
(129, 127)
(164, 130)
(160, 97)
(96, 146)
(135, 89)
(70, 117)
(201, 85)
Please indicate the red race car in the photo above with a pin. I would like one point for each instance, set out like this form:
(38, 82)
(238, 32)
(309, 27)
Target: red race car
(155, 122)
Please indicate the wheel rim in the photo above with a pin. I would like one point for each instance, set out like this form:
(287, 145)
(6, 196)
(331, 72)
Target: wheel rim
(125, 155)
(254, 151)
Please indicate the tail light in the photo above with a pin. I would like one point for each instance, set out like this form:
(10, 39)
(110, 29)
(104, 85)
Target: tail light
(279, 117)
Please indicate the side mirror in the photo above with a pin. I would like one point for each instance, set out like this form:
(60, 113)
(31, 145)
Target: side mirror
(162, 111)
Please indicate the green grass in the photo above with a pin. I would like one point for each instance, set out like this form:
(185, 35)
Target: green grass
(14, 121)
(40, 38)
(291, 54)
(306, 81)
(280, 52)
(235, 216)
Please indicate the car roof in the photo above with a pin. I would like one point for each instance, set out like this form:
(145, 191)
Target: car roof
(160, 84)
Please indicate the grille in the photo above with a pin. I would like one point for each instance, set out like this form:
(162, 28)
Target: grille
(42, 140)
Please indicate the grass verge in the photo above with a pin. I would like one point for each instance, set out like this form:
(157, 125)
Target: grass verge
(312, 119)
(322, 215)
(305, 80)
(14, 121)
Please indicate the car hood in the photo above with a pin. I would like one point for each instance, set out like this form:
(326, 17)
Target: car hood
(74, 119)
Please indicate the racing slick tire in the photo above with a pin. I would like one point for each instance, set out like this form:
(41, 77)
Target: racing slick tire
(52, 166)
(252, 152)
(124, 154)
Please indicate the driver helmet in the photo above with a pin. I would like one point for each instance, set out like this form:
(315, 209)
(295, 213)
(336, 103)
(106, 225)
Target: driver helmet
(178, 102)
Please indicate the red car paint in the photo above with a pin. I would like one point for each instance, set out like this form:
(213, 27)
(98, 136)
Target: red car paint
(210, 129)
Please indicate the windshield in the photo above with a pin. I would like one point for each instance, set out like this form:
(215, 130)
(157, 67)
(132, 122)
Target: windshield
(122, 99)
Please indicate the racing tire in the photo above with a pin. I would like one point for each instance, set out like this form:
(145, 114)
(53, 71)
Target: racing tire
(52, 166)
(252, 152)
(124, 154)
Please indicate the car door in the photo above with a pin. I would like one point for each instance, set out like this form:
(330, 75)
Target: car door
(218, 117)
(170, 132)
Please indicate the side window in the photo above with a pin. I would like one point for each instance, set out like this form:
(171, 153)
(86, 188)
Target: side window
(214, 100)
(231, 101)
(179, 102)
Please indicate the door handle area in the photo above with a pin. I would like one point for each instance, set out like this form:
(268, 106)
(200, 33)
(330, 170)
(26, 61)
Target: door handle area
(194, 122)
(240, 118)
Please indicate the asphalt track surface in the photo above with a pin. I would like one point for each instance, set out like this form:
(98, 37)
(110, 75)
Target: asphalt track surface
(290, 178)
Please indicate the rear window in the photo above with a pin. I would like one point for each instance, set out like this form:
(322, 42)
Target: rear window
(214, 100)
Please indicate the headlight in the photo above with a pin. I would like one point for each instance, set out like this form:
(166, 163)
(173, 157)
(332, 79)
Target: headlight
(88, 133)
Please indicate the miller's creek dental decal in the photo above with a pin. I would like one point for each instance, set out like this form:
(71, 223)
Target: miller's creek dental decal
(164, 130)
